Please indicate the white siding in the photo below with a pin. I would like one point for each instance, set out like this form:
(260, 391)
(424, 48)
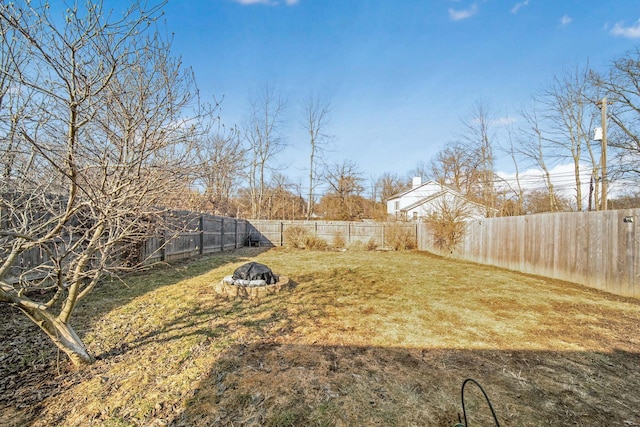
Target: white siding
(408, 198)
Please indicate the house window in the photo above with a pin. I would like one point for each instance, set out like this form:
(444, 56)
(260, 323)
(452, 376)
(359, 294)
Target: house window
(396, 205)
(415, 215)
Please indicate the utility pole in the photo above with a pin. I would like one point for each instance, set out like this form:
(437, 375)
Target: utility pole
(600, 134)
(603, 111)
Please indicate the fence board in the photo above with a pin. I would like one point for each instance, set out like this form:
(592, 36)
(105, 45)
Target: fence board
(272, 232)
(596, 249)
(192, 234)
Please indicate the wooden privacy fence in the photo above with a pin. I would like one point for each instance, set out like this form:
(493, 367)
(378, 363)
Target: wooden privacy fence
(600, 250)
(597, 249)
(272, 233)
(195, 234)
(188, 234)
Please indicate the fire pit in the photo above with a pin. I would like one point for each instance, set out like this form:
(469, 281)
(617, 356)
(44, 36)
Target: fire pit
(251, 280)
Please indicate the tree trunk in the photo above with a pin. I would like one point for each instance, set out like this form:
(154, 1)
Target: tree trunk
(62, 335)
(310, 200)
(576, 171)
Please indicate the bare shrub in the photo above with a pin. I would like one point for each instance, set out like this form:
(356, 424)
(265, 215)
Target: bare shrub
(400, 237)
(296, 236)
(371, 245)
(448, 225)
(300, 238)
(312, 241)
(339, 241)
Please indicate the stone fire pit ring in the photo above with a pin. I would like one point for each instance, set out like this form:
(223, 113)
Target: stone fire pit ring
(251, 280)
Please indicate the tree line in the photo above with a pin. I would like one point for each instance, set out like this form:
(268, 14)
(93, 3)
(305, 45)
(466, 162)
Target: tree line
(555, 128)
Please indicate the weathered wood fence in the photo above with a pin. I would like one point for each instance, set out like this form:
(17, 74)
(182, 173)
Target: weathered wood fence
(597, 249)
(187, 234)
(195, 234)
(600, 250)
(272, 232)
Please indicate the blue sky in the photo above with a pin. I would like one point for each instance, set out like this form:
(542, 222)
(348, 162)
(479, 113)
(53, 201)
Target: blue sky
(400, 75)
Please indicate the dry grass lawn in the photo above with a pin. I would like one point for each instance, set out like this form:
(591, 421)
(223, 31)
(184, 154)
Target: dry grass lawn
(361, 339)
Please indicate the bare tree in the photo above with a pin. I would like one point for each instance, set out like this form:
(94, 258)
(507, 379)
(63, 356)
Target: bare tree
(283, 199)
(538, 201)
(628, 200)
(316, 117)
(345, 189)
(621, 85)
(509, 207)
(533, 148)
(569, 116)
(390, 184)
(262, 131)
(478, 135)
(422, 170)
(14, 105)
(107, 125)
(221, 160)
(458, 165)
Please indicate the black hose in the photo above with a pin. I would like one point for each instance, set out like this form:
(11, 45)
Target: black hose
(464, 410)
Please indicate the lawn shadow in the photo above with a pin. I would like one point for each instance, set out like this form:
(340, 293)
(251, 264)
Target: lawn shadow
(270, 384)
(32, 369)
(199, 323)
(114, 293)
(258, 365)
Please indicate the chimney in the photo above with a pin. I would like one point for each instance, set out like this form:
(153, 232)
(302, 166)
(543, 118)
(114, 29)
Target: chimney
(416, 182)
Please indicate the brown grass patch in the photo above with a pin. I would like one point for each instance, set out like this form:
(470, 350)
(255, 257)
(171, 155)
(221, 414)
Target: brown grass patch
(363, 338)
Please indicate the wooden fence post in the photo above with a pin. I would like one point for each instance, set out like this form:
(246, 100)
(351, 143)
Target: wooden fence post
(163, 245)
(235, 233)
(281, 234)
(384, 228)
(222, 234)
(201, 226)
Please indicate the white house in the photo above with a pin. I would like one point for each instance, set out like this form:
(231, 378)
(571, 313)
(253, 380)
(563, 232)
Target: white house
(422, 199)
